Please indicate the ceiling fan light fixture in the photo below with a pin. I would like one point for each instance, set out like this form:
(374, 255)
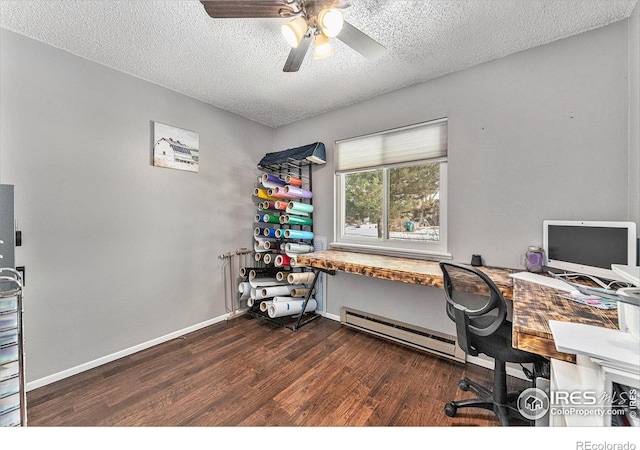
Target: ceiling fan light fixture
(330, 21)
(321, 46)
(294, 31)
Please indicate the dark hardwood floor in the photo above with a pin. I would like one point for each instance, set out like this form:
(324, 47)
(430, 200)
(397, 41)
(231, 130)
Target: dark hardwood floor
(248, 372)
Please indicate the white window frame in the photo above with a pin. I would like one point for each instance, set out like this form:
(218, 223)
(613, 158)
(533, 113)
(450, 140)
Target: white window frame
(384, 245)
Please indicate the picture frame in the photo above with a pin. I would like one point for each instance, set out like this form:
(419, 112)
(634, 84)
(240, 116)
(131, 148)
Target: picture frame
(175, 148)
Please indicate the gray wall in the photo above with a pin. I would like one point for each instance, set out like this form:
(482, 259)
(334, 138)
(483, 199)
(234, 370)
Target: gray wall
(542, 134)
(117, 252)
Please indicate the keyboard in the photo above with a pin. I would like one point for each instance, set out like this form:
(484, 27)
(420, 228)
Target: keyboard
(544, 281)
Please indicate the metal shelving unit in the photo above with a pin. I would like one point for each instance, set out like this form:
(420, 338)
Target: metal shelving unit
(302, 169)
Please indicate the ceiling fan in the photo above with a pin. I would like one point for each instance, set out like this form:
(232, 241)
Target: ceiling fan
(316, 20)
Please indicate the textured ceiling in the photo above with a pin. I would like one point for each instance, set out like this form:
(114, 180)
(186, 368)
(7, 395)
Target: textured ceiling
(236, 64)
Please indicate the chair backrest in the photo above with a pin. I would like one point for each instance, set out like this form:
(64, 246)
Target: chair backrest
(474, 303)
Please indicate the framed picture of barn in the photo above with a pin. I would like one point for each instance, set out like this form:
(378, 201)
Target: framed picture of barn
(175, 148)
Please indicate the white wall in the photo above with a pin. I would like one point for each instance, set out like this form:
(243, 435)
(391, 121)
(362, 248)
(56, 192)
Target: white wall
(117, 252)
(542, 134)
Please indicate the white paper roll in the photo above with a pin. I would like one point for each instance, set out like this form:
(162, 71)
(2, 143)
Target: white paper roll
(250, 302)
(281, 299)
(300, 278)
(245, 290)
(263, 281)
(272, 291)
(264, 306)
(281, 309)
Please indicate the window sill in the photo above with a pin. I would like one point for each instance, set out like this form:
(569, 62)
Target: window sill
(389, 251)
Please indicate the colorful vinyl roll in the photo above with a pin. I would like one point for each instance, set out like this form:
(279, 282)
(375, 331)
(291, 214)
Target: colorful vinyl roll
(281, 309)
(269, 218)
(299, 207)
(280, 233)
(258, 231)
(295, 181)
(261, 193)
(269, 232)
(297, 192)
(299, 292)
(295, 220)
(298, 234)
(281, 205)
(267, 205)
(281, 193)
(274, 291)
(282, 261)
(271, 181)
(292, 247)
(301, 278)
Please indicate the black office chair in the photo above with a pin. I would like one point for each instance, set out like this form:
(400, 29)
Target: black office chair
(479, 310)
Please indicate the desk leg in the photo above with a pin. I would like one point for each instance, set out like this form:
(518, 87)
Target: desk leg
(312, 289)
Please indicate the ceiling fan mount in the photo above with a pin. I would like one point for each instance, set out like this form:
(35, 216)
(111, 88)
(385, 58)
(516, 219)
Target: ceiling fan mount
(312, 20)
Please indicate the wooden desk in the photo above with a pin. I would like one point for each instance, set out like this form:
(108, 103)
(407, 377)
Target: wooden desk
(533, 305)
(407, 270)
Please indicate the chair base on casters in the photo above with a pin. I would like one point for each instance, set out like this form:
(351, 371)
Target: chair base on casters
(504, 410)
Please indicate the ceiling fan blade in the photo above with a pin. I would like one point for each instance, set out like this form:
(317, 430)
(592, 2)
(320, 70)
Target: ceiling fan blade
(244, 9)
(360, 42)
(296, 55)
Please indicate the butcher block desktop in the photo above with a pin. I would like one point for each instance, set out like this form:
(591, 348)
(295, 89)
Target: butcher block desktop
(533, 305)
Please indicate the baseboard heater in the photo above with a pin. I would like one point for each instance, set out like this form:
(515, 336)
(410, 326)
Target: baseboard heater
(414, 336)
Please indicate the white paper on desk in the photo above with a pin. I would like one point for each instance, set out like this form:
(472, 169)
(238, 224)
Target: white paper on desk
(598, 342)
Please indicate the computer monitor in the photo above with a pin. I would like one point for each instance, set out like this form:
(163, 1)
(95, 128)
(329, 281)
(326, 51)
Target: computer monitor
(589, 247)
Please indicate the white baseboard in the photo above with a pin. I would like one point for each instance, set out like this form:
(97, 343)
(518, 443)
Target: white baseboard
(331, 316)
(122, 353)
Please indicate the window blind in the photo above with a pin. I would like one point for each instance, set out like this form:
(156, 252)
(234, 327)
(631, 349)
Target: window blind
(413, 143)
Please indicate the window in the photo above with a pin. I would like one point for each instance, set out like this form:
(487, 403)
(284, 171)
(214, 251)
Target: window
(391, 191)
